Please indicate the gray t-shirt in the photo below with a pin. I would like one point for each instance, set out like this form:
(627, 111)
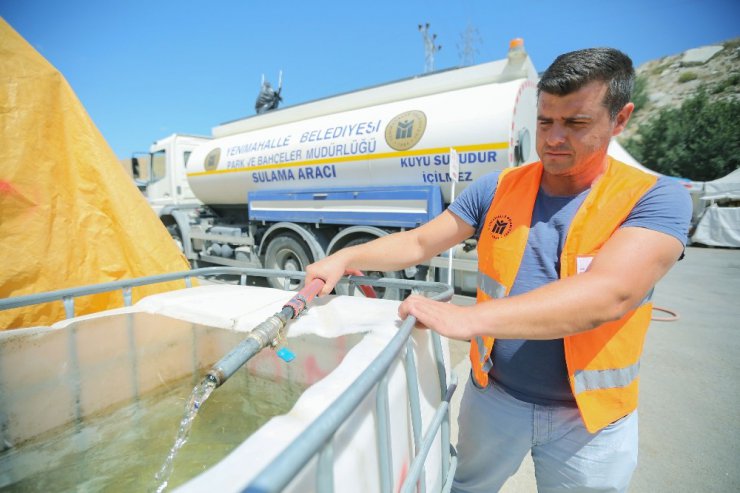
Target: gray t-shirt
(534, 370)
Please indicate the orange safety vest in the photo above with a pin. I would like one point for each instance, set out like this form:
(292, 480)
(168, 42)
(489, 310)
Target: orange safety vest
(602, 363)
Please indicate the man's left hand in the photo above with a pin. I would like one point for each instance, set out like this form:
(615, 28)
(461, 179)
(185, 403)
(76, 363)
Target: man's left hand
(444, 318)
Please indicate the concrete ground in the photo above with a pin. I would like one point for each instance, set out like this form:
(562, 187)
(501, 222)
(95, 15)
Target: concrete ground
(689, 374)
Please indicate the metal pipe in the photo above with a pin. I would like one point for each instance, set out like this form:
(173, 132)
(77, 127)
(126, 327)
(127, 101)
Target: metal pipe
(267, 333)
(417, 465)
(259, 338)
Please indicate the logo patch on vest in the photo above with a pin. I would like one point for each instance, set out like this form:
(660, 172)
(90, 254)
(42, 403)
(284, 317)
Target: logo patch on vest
(500, 226)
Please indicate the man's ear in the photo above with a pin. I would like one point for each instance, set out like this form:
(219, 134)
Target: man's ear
(620, 122)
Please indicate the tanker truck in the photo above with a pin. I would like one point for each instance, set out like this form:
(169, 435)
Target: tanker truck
(285, 188)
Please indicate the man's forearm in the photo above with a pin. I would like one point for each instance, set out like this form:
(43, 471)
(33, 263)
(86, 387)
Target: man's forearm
(553, 311)
(389, 253)
(556, 310)
(618, 279)
(392, 252)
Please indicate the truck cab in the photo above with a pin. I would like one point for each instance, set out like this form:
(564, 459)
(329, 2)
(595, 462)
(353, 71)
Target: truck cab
(161, 174)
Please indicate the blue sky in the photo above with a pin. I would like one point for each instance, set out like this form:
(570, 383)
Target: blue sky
(145, 69)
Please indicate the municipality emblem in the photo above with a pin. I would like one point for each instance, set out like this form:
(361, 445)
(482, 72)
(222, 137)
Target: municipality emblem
(405, 130)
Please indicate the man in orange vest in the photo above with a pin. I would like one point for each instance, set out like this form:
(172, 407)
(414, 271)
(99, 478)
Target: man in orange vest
(569, 249)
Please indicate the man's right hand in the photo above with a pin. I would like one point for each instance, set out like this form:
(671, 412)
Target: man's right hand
(329, 269)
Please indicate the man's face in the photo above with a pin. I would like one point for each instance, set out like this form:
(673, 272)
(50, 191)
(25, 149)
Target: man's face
(573, 131)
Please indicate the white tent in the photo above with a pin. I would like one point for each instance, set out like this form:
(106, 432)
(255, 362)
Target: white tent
(695, 188)
(620, 154)
(720, 223)
(725, 188)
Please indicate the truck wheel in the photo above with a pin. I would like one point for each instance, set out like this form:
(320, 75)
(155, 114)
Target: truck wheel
(286, 252)
(382, 293)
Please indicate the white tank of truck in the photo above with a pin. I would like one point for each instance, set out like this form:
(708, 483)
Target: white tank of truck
(393, 144)
(285, 188)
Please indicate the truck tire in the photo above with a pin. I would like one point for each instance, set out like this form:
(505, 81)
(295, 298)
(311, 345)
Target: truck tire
(286, 252)
(382, 293)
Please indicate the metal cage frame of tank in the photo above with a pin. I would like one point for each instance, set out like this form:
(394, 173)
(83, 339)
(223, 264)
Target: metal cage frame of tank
(316, 439)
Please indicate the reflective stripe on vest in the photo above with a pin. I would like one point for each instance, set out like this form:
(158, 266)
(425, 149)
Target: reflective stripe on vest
(490, 286)
(493, 289)
(604, 379)
(603, 363)
(483, 356)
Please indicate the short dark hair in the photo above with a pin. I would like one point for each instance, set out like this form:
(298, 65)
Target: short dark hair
(571, 71)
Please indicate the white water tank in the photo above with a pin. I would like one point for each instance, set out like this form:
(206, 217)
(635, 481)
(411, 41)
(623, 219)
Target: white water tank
(491, 124)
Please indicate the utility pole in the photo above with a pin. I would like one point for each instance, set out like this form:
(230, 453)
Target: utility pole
(430, 47)
(467, 49)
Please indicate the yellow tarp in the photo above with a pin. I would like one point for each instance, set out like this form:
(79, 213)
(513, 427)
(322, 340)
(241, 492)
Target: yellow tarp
(69, 214)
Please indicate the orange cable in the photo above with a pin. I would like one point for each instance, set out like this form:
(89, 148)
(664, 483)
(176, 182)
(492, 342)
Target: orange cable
(672, 318)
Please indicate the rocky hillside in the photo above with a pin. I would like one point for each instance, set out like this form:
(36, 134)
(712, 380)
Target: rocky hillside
(668, 81)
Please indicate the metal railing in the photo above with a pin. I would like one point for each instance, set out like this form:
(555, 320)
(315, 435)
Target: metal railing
(67, 296)
(316, 439)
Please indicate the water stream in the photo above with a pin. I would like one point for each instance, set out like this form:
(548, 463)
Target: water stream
(200, 394)
(122, 449)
